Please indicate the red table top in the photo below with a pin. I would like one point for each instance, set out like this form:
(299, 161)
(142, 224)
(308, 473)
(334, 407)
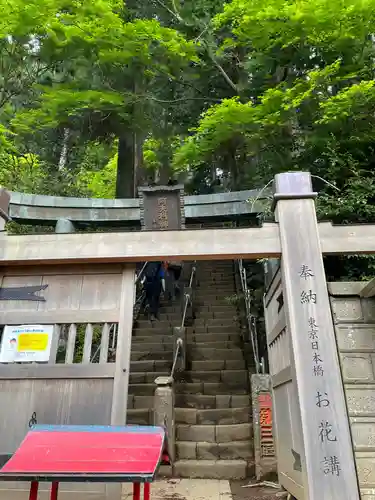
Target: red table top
(94, 453)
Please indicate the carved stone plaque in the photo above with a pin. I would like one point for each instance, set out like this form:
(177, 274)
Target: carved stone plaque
(162, 208)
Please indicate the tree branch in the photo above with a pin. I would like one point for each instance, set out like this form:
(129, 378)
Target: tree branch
(177, 16)
(174, 14)
(183, 99)
(221, 69)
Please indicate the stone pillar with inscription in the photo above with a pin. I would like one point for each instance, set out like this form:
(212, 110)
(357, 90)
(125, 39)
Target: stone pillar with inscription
(327, 458)
(162, 208)
(264, 447)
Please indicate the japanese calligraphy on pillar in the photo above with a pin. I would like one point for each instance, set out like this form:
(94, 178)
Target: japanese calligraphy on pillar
(326, 434)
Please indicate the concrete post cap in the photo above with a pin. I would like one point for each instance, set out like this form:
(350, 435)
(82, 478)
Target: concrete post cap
(164, 381)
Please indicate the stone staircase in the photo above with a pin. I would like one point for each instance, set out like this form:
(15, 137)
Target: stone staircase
(213, 410)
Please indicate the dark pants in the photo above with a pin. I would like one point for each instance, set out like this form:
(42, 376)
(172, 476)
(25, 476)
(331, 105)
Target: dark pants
(176, 272)
(153, 290)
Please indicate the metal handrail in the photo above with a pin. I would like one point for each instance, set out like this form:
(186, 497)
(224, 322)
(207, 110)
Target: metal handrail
(179, 341)
(140, 272)
(187, 297)
(139, 294)
(180, 345)
(251, 320)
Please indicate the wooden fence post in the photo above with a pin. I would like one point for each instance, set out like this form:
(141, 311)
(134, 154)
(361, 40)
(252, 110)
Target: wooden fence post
(122, 368)
(123, 349)
(327, 457)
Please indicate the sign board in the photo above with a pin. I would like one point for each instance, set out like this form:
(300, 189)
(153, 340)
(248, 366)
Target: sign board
(26, 343)
(162, 208)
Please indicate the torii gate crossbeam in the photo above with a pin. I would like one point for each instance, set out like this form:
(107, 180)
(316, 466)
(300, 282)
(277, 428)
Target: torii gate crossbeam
(208, 244)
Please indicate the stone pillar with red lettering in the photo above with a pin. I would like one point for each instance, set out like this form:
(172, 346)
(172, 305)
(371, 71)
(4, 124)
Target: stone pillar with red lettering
(264, 446)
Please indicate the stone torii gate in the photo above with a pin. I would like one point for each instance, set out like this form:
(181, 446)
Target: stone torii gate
(312, 429)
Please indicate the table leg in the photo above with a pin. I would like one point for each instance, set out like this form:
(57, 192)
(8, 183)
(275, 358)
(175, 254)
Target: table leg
(136, 491)
(34, 490)
(146, 493)
(54, 490)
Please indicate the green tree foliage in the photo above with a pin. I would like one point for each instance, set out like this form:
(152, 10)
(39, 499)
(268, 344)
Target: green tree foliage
(85, 90)
(306, 99)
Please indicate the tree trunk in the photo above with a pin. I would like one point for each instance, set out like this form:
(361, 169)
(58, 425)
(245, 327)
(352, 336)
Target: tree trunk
(125, 180)
(164, 173)
(64, 150)
(141, 174)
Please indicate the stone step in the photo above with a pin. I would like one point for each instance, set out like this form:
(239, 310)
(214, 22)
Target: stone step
(216, 344)
(167, 339)
(214, 300)
(225, 344)
(215, 308)
(215, 296)
(150, 347)
(219, 277)
(234, 327)
(216, 314)
(207, 271)
(140, 401)
(170, 317)
(139, 416)
(145, 323)
(214, 289)
(214, 416)
(152, 365)
(211, 322)
(214, 433)
(200, 329)
(175, 309)
(220, 364)
(214, 337)
(236, 450)
(145, 331)
(204, 401)
(146, 377)
(156, 346)
(142, 389)
(226, 376)
(220, 281)
(170, 309)
(214, 284)
(212, 265)
(153, 356)
(162, 338)
(215, 264)
(208, 353)
(211, 469)
(209, 388)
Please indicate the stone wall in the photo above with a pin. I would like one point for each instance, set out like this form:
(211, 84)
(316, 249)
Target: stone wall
(354, 319)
